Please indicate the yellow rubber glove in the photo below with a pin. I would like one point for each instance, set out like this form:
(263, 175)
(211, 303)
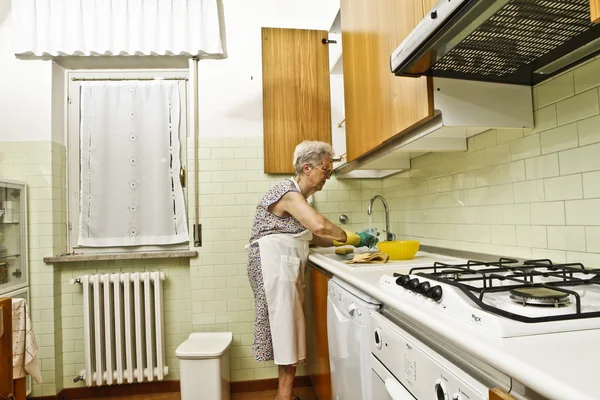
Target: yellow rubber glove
(351, 238)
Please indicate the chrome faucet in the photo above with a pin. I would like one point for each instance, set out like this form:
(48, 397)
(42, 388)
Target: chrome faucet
(388, 235)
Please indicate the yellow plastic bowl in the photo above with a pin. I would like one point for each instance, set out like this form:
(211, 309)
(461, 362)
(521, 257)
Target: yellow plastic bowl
(400, 249)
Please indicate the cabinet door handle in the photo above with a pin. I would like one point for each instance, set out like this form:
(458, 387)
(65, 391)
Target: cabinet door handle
(182, 176)
(327, 41)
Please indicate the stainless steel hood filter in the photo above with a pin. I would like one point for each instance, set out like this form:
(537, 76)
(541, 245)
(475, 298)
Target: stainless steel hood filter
(517, 34)
(503, 41)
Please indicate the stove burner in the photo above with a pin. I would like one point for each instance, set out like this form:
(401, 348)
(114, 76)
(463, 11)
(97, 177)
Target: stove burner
(539, 297)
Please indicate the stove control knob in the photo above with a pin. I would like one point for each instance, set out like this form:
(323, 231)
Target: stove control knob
(423, 287)
(413, 284)
(434, 293)
(401, 280)
(440, 391)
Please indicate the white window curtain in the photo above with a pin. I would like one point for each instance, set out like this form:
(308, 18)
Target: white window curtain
(117, 27)
(129, 144)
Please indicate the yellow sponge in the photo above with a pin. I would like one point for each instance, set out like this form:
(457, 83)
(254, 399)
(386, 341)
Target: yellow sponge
(344, 250)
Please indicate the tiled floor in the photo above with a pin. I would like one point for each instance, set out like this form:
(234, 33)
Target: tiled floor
(305, 393)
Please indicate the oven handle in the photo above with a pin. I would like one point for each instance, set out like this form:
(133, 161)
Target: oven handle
(396, 390)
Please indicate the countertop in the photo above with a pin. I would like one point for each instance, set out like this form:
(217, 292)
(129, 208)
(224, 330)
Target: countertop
(561, 366)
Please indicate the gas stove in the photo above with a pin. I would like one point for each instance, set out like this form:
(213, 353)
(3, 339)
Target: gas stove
(507, 298)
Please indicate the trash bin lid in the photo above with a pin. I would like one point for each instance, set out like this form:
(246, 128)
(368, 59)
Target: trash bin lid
(204, 345)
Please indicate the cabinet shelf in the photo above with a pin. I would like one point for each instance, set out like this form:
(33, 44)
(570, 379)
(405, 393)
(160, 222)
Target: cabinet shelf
(13, 229)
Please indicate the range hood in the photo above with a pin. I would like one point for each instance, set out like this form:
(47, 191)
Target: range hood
(514, 41)
(462, 109)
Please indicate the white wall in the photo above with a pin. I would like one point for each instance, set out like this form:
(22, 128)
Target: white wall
(231, 89)
(25, 90)
(58, 104)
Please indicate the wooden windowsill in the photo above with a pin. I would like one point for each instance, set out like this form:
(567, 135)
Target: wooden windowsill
(121, 256)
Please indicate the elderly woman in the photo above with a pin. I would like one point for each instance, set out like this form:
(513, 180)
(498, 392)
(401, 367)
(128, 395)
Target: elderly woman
(284, 226)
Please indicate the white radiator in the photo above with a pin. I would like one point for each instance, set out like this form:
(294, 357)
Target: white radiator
(123, 328)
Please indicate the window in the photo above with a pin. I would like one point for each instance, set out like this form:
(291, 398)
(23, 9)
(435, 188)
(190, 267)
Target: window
(129, 184)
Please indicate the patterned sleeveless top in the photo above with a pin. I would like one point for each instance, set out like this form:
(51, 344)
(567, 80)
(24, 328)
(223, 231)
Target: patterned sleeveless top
(265, 222)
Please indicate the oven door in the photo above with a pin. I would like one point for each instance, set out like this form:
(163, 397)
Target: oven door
(385, 385)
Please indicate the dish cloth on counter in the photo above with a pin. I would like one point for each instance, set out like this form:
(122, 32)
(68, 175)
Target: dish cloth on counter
(378, 258)
(25, 361)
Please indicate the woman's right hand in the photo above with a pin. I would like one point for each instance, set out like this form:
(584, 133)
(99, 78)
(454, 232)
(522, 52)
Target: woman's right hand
(366, 239)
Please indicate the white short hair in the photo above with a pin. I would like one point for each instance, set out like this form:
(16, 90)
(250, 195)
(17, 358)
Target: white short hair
(312, 153)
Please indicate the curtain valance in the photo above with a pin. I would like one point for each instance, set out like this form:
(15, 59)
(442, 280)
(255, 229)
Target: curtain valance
(117, 27)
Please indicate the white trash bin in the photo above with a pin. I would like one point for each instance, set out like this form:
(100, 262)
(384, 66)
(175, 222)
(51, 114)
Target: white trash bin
(204, 366)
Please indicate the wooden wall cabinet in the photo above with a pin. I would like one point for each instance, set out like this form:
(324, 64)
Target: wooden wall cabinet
(378, 104)
(296, 99)
(428, 6)
(595, 11)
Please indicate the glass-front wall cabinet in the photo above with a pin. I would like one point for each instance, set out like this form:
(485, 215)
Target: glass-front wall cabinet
(13, 236)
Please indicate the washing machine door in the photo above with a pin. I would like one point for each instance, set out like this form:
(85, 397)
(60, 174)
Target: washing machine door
(345, 347)
(385, 385)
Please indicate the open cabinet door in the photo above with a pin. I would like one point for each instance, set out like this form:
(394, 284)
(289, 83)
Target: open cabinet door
(296, 100)
(320, 375)
(499, 394)
(6, 373)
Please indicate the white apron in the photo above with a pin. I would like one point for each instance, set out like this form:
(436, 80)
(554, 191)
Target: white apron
(283, 259)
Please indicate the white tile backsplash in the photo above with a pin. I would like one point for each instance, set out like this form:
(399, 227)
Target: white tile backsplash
(544, 118)
(549, 213)
(555, 89)
(511, 172)
(516, 214)
(586, 76)
(583, 212)
(591, 184)
(542, 167)
(531, 236)
(566, 237)
(561, 138)
(485, 139)
(563, 188)
(578, 107)
(581, 159)
(503, 234)
(500, 194)
(536, 191)
(592, 237)
(557, 256)
(589, 130)
(508, 135)
(526, 147)
(529, 192)
(490, 215)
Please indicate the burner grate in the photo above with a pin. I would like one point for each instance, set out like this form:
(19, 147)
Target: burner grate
(519, 33)
(520, 275)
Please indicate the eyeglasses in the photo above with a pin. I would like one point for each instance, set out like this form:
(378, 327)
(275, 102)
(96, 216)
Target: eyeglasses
(326, 171)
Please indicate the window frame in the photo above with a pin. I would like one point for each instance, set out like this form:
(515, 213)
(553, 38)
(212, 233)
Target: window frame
(72, 136)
